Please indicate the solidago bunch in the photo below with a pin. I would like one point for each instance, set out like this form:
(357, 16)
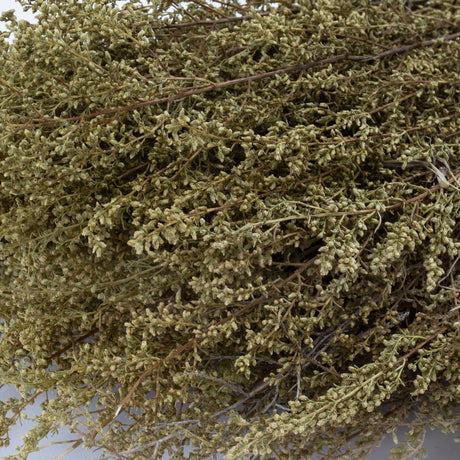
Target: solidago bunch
(231, 224)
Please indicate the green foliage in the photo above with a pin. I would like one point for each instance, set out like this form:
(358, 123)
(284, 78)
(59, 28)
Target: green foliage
(236, 224)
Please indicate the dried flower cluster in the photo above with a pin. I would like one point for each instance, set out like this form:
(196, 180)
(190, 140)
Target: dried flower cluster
(210, 224)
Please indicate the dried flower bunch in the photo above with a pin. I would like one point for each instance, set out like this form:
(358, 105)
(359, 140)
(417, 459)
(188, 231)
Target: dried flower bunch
(233, 224)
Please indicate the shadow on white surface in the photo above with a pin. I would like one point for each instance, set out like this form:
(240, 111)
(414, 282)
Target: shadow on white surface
(438, 446)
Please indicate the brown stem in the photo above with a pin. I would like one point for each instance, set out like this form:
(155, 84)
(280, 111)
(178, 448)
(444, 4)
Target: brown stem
(133, 170)
(422, 195)
(193, 91)
(209, 22)
(382, 107)
(414, 350)
(69, 346)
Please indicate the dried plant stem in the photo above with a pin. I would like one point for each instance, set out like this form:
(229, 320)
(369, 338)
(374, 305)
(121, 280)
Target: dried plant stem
(345, 57)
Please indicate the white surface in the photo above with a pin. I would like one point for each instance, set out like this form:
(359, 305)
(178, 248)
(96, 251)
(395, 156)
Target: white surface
(438, 446)
(24, 426)
(6, 5)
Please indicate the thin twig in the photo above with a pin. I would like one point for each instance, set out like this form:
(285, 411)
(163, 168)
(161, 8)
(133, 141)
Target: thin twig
(398, 101)
(216, 379)
(209, 22)
(421, 345)
(194, 91)
(238, 403)
(145, 446)
(422, 195)
(450, 269)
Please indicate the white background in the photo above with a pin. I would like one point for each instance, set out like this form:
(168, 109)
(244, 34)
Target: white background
(438, 445)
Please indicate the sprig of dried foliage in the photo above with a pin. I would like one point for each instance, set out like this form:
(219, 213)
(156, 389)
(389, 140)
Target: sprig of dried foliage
(210, 224)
